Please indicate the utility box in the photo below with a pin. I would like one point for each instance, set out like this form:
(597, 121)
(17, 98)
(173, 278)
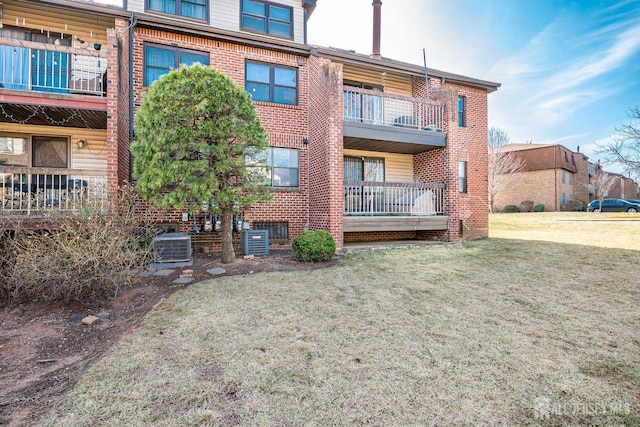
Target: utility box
(255, 242)
(172, 247)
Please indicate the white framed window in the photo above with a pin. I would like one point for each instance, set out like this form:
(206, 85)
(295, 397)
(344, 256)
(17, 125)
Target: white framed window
(284, 164)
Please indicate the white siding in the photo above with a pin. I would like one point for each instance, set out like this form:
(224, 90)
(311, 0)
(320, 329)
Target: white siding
(135, 6)
(397, 167)
(92, 156)
(225, 14)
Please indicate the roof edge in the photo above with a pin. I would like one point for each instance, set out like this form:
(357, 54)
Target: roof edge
(388, 64)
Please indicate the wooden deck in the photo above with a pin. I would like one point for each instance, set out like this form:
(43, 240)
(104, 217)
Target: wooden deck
(395, 223)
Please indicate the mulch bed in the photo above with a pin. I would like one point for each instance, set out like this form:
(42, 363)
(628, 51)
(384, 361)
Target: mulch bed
(44, 348)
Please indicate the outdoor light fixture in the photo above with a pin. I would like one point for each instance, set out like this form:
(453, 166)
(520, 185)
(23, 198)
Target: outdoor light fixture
(305, 141)
(82, 143)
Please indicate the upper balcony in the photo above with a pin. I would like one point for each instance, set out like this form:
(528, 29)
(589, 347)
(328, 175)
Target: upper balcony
(42, 67)
(379, 121)
(44, 84)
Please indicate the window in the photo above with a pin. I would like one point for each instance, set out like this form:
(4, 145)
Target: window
(462, 176)
(43, 152)
(461, 111)
(563, 177)
(370, 169)
(563, 199)
(570, 179)
(158, 61)
(13, 151)
(284, 164)
(271, 83)
(49, 152)
(189, 8)
(277, 230)
(268, 18)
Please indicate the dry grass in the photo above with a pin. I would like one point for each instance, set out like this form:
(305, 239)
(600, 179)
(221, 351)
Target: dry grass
(607, 230)
(490, 332)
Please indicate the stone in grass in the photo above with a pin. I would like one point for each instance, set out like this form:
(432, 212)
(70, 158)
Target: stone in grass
(104, 315)
(90, 320)
(216, 271)
(183, 280)
(164, 272)
(75, 319)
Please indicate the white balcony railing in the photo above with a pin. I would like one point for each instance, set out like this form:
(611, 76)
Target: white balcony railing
(393, 198)
(385, 109)
(41, 67)
(34, 191)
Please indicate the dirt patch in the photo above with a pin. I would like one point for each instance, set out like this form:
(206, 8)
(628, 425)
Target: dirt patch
(44, 348)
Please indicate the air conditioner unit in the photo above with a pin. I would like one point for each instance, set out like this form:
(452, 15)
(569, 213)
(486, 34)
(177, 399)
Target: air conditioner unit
(172, 247)
(255, 242)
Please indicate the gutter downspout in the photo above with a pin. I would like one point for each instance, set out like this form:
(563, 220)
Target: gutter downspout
(555, 181)
(132, 24)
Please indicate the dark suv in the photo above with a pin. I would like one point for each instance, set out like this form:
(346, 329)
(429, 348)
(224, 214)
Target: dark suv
(613, 205)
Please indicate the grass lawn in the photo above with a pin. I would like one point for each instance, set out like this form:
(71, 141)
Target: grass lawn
(493, 332)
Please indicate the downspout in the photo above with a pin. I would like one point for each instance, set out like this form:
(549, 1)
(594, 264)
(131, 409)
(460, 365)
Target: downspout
(132, 24)
(305, 18)
(555, 181)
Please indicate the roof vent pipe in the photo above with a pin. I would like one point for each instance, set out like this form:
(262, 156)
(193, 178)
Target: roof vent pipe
(376, 29)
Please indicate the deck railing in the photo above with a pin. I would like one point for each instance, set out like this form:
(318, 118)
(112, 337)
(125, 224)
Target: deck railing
(36, 191)
(42, 67)
(393, 198)
(387, 109)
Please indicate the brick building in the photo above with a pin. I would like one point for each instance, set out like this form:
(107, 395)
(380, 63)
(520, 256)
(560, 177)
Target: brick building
(360, 144)
(558, 178)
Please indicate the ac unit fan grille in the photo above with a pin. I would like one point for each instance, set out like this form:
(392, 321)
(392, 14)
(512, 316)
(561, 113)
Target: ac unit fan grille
(172, 247)
(255, 242)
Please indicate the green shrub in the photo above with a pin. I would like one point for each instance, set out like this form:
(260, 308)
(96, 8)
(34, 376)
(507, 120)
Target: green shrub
(511, 209)
(313, 246)
(538, 208)
(526, 206)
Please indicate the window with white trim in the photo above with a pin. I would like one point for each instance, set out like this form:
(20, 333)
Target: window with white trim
(284, 167)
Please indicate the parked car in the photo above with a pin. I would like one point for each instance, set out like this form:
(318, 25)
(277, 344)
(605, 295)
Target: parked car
(634, 201)
(613, 205)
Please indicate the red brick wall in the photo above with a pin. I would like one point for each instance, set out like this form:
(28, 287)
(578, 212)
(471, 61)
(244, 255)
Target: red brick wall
(326, 197)
(469, 144)
(114, 70)
(286, 125)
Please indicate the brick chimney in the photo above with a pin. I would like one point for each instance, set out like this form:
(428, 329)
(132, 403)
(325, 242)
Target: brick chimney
(376, 29)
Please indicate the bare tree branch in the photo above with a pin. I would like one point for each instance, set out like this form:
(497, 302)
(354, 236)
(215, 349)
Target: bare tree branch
(602, 183)
(502, 165)
(624, 147)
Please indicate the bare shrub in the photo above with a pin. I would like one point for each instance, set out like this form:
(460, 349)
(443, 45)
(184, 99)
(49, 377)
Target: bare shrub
(81, 257)
(526, 206)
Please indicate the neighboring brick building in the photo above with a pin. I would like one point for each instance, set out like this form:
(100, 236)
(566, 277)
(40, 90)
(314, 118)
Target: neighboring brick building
(623, 187)
(358, 148)
(556, 177)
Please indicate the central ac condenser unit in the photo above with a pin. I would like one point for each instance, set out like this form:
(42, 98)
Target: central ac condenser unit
(172, 247)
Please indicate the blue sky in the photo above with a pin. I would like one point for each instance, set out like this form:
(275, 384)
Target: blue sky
(570, 70)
